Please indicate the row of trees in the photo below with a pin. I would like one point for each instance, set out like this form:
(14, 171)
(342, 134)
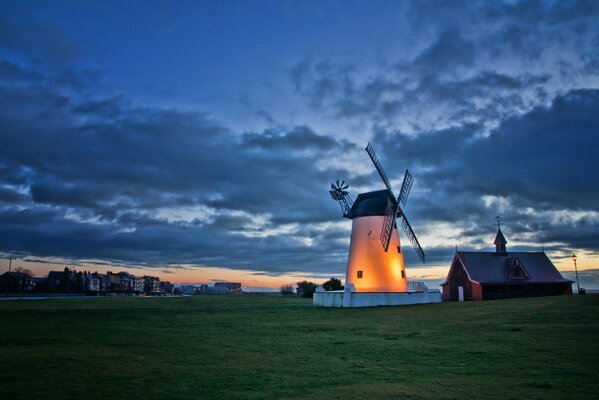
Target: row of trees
(306, 288)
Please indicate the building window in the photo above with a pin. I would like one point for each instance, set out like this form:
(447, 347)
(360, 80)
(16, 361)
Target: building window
(399, 249)
(360, 274)
(403, 274)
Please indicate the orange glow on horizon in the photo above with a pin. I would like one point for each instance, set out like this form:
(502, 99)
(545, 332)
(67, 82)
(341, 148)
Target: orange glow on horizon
(182, 275)
(249, 278)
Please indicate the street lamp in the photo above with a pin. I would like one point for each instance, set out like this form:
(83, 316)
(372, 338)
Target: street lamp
(576, 270)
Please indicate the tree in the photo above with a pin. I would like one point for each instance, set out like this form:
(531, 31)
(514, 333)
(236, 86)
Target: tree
(333, 284)
(306, 289)
(286, 289)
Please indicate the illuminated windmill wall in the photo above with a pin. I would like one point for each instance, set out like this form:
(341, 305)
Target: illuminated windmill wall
(375, 262)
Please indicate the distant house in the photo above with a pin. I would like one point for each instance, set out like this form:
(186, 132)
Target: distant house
(502, 274)
(117, 282)
(104, 282)
(66, 281)
(92, 283)
(15, 282)
(56, 281)
(126, 282)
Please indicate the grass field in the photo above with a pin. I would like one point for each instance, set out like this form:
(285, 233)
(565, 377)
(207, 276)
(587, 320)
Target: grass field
(258, 347)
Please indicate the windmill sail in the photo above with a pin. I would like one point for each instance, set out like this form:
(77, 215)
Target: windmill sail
(393, 206)
(412, 237)
(388, 224)
(380, 170)
(406, 186)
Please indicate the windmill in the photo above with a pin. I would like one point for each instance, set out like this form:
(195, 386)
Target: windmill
(375, 262)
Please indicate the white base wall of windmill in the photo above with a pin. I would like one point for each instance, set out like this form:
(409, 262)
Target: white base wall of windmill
(369, 267)
(347, 298)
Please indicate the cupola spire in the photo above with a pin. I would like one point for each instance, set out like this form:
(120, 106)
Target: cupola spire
(500, 241)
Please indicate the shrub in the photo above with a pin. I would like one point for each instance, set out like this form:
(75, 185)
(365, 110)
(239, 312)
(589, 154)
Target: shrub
(306, 289)
(333, 284)
(286, 289)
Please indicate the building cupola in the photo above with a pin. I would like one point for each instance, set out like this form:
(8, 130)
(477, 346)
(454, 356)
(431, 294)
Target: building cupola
(500, 241)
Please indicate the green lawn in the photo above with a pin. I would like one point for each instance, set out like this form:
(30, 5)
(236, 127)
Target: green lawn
(257, 347)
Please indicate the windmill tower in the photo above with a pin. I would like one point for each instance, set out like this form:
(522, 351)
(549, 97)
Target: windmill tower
(375, 262)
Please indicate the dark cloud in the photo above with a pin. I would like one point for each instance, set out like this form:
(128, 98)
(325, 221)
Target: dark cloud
(299, 138)
(478, 63)
(535, 170)
(545, 156)
(98, 178)
(118, 189)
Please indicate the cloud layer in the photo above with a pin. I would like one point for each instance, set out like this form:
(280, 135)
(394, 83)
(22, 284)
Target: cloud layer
(494, 108)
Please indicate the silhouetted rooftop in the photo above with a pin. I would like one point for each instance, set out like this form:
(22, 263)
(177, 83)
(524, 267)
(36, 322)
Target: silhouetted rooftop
(491, 267)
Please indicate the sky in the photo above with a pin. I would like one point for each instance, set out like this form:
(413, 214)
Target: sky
(197, 140)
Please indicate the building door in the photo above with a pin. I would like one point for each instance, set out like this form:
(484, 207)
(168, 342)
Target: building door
(460, 293)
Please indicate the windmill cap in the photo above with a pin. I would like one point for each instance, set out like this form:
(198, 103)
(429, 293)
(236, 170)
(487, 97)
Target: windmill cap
(369, 204)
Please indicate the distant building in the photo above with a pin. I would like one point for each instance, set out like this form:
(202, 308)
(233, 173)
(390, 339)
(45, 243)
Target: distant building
(203, 289)
(40, 284)
(66, 281)
(187, 290)
(138, 284)
(216, 290)
(232, 287)
(92, 283)
(55, 280)
(118, 283)
(104, 282)
(502, 274)
(15, 282)
(151, 285)
(127, 282)
(167, 288)
(71, 281)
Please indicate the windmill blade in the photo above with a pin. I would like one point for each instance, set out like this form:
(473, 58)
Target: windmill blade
(379, 169)
(406, 186)
(412, 237)
(388, 225)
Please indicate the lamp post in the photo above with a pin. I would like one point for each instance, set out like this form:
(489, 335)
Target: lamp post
(576, 270)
